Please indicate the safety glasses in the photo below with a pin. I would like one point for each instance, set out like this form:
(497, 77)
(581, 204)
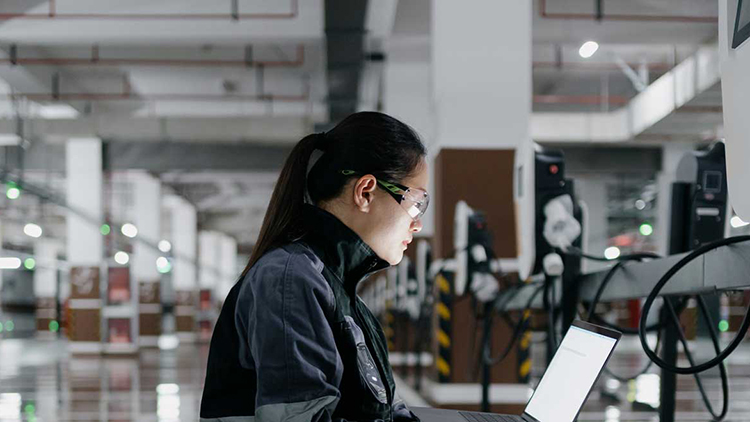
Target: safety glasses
(413, 200)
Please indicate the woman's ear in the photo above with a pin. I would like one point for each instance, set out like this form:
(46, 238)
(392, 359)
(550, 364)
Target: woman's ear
(363, 192)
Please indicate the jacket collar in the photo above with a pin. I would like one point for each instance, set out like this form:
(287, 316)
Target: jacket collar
(342, 251)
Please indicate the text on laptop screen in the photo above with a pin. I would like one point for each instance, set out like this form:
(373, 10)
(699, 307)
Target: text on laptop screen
(569, 377)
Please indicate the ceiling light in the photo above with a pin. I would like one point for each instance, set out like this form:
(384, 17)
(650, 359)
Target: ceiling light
(129, 230)
(588, 49)
(122, 258)
(612, 252)
(163, 265)
(165, 246)
(10, 263)
(32, 230)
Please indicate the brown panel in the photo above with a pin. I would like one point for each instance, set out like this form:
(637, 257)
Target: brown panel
(467, 341)
(148, 292)
(186, 298)
(84, 324)
(42, 324)
(149, 324)
(84, 283)
(184, 323)
(482, 178)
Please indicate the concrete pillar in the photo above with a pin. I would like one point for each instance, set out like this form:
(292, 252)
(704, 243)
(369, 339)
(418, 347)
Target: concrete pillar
(84, 242)
(670, 157)
(407, 95)
(184, 273)
(228, 267)
(147, 218)
(592, 190)
(481, 87)
(209, 253)
(1, 254)
(45, 287)
(481, 64)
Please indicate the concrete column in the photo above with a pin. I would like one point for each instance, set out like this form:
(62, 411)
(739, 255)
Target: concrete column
(45, 286)
(209, 253)
(1, 248)
(481, 64)
(147, 218)
(481, 87)
(184, 273)
(84, 241)
(670, 157)
(407, 95)
(592, 190)
(228, 267)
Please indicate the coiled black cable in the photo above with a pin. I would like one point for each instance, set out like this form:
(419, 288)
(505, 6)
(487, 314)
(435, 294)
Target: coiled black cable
(720, 357)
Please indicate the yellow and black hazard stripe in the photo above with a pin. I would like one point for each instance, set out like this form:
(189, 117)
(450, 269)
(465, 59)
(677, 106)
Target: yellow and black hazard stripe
(524, 349)
(444, 329)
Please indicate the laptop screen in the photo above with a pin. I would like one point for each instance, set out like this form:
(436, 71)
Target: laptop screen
(570, 376)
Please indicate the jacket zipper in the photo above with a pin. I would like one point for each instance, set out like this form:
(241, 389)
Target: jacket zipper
(378, 363)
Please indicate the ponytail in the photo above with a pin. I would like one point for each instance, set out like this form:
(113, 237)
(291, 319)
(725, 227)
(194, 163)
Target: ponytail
(282, 221)
(365, 142)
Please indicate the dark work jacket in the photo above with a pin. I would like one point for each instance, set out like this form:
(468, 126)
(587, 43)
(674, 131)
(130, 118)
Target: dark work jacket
(293, 341)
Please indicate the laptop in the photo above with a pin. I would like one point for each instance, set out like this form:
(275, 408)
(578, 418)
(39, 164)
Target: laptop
(564, 387)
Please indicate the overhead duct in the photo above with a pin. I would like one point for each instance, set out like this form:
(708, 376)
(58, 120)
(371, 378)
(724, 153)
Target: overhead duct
(345, 31)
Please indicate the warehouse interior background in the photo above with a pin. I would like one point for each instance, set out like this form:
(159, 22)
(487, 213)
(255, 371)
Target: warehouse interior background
(140, 143)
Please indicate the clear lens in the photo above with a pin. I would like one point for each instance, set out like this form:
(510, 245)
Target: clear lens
(415, 203)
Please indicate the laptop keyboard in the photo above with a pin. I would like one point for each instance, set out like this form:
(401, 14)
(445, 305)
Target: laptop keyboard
(489, 417)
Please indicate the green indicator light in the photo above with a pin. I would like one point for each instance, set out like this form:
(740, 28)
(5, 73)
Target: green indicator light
(646, 229)
(105, 229)
(29, 408)
(723, 326)
(29, 263)
(54, 326)
(9, 326)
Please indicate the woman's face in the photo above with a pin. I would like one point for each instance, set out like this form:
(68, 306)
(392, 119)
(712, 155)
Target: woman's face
(389, 228)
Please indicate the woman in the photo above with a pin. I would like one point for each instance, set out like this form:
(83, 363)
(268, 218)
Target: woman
(293, 341)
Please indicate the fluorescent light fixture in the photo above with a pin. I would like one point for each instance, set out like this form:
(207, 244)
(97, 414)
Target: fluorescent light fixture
(10, 263)
(167, 389)
(612, 252)
(56, 111)
(588, 49)
(32, 230)
(122, 258)
(129, 230)
(9, 139)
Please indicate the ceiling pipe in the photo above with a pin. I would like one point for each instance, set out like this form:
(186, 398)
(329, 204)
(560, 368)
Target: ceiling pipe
(622, 17)
(88, 96)
(231, 15)
(97, 60)
(580, 99)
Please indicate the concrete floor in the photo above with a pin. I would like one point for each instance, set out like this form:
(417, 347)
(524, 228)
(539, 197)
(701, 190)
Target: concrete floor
(40, 381)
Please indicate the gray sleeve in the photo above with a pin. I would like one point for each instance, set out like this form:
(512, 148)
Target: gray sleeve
(291, 342)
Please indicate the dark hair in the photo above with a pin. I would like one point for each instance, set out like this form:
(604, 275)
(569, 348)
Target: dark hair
(366, 142)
